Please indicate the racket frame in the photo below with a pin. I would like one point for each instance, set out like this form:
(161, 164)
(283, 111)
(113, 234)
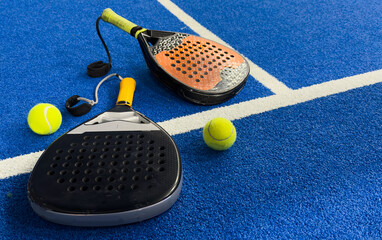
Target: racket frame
(201, 97)
(96, 125)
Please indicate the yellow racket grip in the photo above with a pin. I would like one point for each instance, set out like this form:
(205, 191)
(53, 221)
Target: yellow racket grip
(110, 16)
(126, 92)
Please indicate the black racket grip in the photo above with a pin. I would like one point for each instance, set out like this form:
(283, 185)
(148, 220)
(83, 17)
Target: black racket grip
(79, 110)
(98, 69)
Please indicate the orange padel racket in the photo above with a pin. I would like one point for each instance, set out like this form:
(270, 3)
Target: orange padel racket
(200, 70)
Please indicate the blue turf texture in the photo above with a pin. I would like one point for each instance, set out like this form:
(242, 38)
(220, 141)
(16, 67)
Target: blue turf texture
(312, 170)
(301, 43)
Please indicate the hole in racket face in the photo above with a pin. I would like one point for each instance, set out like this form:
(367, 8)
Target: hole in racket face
(201, 64)
(102, 173)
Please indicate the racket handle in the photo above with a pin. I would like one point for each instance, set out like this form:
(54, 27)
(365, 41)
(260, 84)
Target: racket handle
(110, 16)
(126, 92)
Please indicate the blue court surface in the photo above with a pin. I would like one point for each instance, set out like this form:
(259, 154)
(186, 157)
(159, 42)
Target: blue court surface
(307, 163)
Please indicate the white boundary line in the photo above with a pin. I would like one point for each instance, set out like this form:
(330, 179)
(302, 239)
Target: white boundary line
(265, 104)
(18, 165)
(258, 73)
(24, 163)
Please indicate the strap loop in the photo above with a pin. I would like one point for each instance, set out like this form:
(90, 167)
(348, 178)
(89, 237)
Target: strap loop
(78, 110)
(85, 107)
(98, 69)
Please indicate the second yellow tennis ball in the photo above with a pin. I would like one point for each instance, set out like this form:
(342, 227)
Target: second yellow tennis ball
(44, 119)
(219, 134)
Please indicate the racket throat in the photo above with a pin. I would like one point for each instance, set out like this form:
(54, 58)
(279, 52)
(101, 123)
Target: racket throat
(116, 120)
(151, 37)
(116, 116)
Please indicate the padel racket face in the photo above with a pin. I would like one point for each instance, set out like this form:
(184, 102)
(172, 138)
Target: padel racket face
(117, 168)
(200, 70)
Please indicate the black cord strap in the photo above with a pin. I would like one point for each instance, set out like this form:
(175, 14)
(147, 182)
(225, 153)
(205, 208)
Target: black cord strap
(99, 68)
(84, 108)
(78, 110)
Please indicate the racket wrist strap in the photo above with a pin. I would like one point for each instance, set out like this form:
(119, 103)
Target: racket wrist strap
(87, 106)
(99, 68)
(78, 110)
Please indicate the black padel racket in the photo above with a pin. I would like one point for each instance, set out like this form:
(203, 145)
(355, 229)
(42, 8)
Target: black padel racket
(117, 168)
(200, 70)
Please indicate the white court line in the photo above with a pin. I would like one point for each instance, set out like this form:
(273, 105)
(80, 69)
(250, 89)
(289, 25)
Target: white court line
(265, 104)
(24, 164)
(258, 73)
(18, 165)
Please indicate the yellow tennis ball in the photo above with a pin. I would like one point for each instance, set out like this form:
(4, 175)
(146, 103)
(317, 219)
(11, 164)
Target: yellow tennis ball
(44, 119)
(219, 134)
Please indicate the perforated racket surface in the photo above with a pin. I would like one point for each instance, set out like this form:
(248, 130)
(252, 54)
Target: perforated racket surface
(198, 69)
(117, 168)
(200, 63)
